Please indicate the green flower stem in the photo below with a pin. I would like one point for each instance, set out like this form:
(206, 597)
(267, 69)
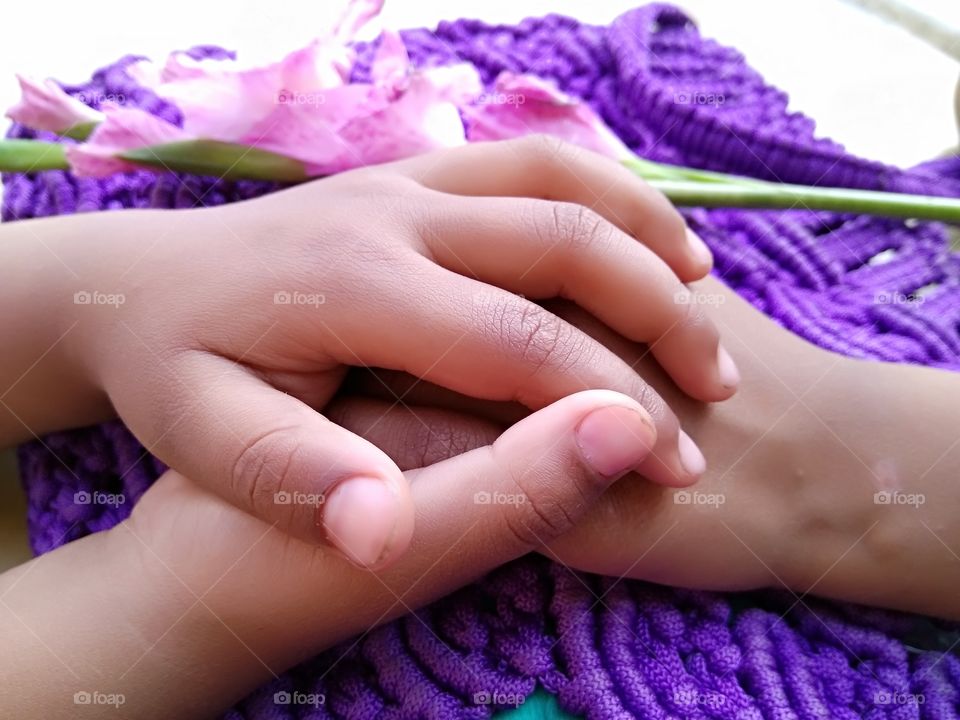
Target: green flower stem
(689, 187)
(199, 157)
(650, 170)
(80, 132)
(31, 156)
(686, 187)
(219, 159)
(780, 196)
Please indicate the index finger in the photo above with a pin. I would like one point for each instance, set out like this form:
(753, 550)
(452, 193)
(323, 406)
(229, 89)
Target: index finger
(539, 166)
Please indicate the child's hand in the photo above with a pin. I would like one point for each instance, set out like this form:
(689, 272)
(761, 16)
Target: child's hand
(723, 533)
(239, 322)
(215, 602)
(813, 482)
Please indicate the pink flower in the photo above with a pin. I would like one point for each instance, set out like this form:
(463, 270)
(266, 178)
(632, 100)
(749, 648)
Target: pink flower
(302, 107)
(221, 100)
(524, 104)
(424, 116)
(45, 106)
(401, 113)
(122, 129)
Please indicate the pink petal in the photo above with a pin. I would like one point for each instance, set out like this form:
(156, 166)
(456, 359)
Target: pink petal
(357, 14)
(217, 100)
(146, 73)
(523, 104)
(328, 61)
(221, 101)
(391, 64)
(302, 106)
(225, 105)
(459, 84)
(421, 120)
(45, 106)
(362, 124)
(321, 64)
(307, 127)
(123, 129)
(179, 66)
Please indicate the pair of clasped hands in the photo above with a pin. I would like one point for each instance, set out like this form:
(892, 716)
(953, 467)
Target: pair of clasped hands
(371, 389)
(432, 267)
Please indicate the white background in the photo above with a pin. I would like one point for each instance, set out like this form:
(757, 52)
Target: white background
(870, 85)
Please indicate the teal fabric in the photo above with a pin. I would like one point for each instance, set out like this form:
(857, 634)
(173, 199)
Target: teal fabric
(539, 706)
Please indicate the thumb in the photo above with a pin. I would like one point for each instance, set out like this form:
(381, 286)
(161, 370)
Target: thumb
(272, 455)
(534, 482)
(470, 519)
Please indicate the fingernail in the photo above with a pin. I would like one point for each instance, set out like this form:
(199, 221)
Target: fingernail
(699, 248)
(614, 440)
(359, 517)
(727, 368)
(691, 458)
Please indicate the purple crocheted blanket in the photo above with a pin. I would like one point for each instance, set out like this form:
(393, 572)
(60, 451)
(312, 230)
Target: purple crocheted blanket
(607, 649)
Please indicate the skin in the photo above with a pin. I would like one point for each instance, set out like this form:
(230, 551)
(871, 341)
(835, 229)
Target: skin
(800, 472)
(217, 623)
(214, 624)
(205, 332)
(238, 324)
(798, 513)
(798, 457)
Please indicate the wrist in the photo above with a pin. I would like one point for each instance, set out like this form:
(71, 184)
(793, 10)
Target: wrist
(74, 604)
(827, 496)
(870, 524)
(98, 293)
(174, 654)
(47, 386)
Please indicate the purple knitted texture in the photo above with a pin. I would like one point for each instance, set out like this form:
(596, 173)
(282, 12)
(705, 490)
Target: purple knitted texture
(642, 650)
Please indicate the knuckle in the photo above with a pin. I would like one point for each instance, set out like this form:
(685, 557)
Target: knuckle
(544, 513)
(538, 338)
(444, 440)
(691, 315)
(577, 228)
(544, 148)
(262, 468)
(638, 389)
(428, 443)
